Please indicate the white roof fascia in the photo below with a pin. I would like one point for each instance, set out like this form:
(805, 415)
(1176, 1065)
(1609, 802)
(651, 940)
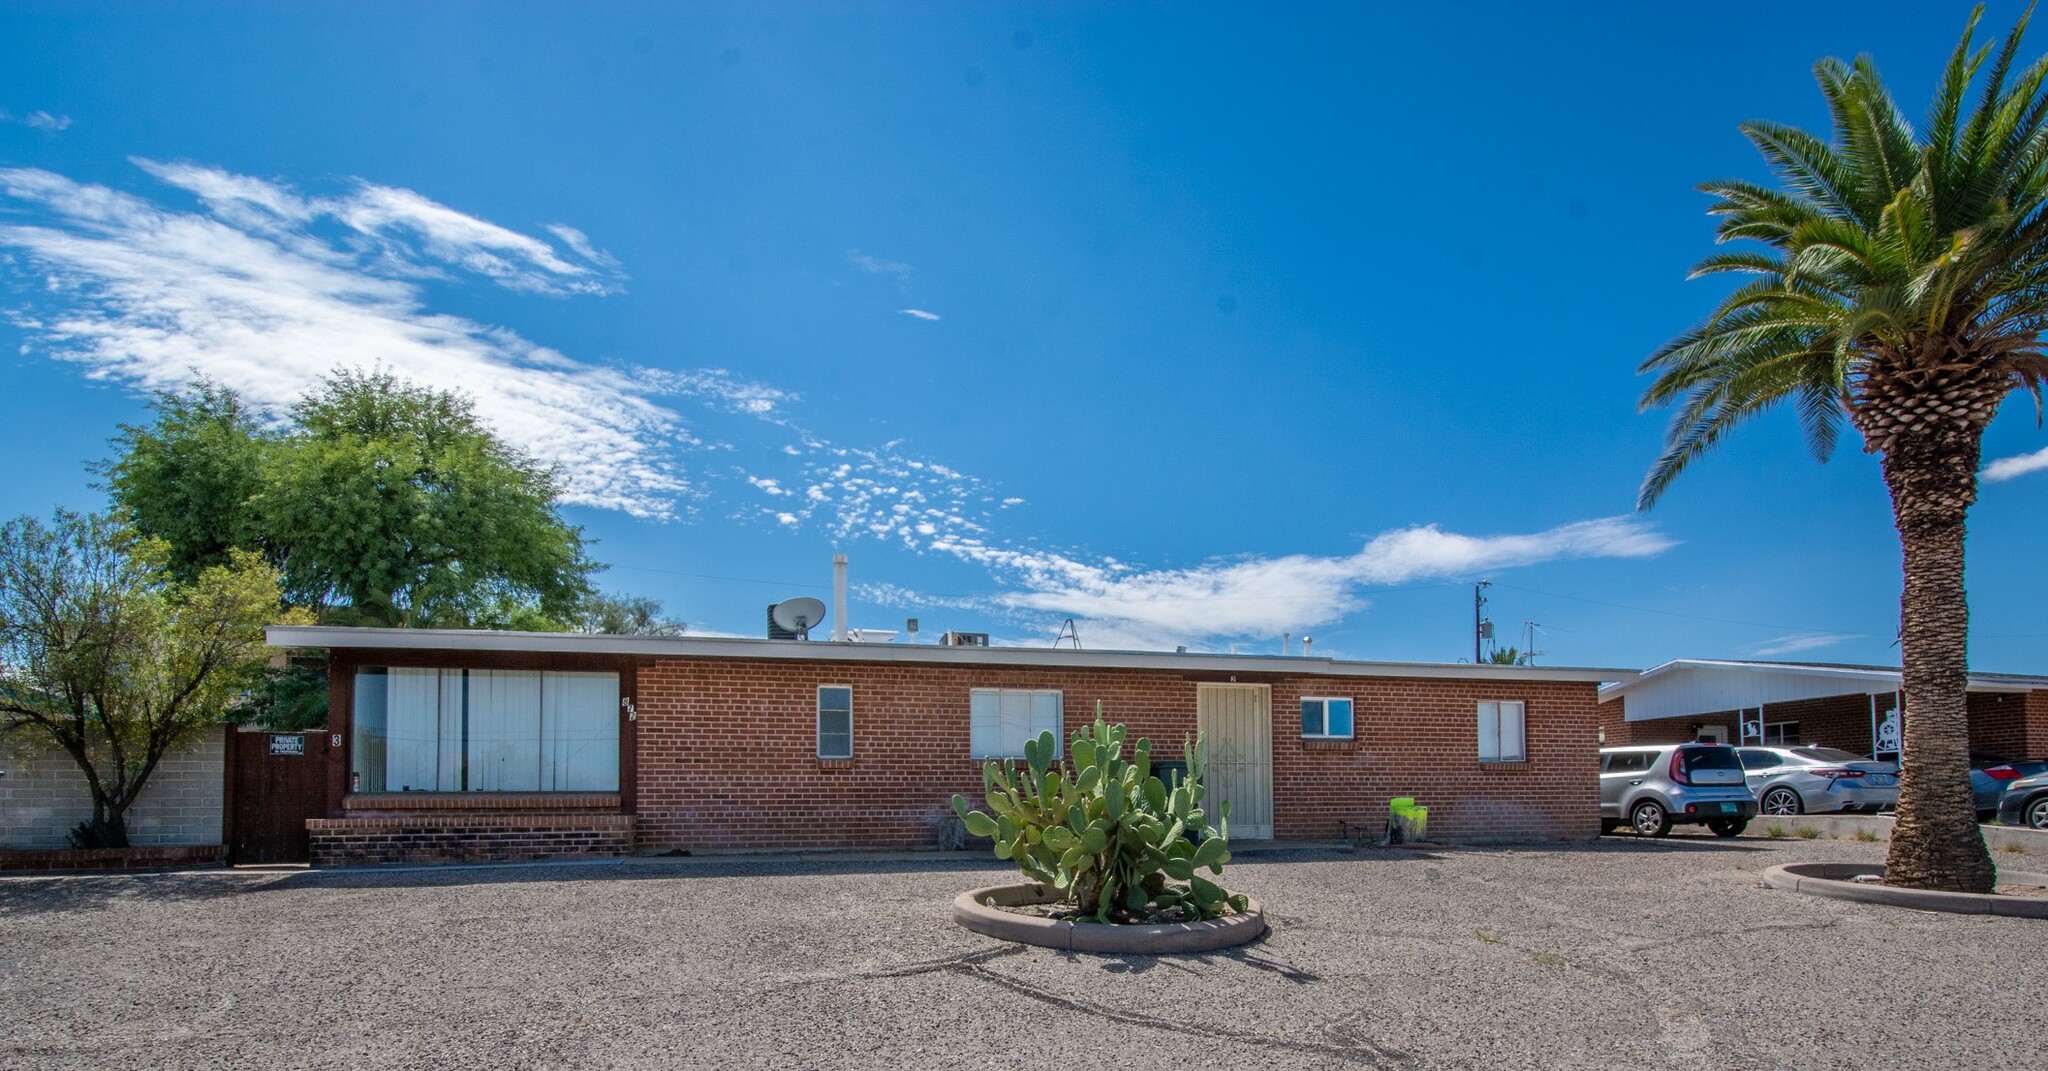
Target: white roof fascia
(465, 640)
(1706, 686)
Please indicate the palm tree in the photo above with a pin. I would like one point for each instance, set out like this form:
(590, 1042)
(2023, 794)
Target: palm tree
(1902, 284)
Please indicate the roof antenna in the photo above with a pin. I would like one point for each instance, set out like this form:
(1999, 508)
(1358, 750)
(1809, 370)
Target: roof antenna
(1068, 631)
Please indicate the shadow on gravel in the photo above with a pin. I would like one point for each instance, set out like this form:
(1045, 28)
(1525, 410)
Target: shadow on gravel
(638, 868)
(23, 897)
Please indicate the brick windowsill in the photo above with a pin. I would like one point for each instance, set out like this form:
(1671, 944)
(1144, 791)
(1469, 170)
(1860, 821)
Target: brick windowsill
(1329, 745)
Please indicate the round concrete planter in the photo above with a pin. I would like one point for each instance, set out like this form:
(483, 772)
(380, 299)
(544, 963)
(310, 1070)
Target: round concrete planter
(1836, 880)
(971, 909)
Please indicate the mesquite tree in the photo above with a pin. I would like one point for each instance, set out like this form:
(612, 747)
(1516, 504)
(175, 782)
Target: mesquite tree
(109, 657)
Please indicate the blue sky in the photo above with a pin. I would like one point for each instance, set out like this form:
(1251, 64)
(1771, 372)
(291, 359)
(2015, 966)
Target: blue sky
(1199, 324)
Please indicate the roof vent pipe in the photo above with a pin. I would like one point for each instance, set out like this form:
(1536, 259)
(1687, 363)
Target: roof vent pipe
(839, 597)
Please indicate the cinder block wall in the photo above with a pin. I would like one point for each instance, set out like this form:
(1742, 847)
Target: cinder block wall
(43, 796)
(727, 751)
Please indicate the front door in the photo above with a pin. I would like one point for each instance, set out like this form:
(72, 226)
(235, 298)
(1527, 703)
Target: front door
(1237, 719)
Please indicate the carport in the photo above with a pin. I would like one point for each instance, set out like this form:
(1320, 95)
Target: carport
(1852, 707)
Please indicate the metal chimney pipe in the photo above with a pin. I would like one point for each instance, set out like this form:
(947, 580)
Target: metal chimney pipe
(838, 597)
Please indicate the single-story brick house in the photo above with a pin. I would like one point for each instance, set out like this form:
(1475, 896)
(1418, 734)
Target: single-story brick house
(464, 744)
(1851, 707)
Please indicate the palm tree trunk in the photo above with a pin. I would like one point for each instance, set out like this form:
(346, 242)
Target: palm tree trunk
(1932, 474)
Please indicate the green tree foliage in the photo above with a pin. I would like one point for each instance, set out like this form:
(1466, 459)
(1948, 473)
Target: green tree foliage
(107, 655)
(1506, 656)
(385, 503)
(190, 478)
(1901, 284)
(626, 615)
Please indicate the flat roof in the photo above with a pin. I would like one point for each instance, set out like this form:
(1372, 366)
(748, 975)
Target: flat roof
(1685, 686)
(467, 640)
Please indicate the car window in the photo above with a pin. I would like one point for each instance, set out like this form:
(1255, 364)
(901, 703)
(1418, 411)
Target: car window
(1752, 759)
(1627, 761)
(1710, 758)
(1827, 754)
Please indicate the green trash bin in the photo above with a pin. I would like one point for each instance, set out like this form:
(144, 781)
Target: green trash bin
(1406, 822)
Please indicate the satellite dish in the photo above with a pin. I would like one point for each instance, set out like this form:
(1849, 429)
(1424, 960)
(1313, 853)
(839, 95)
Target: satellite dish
(799, 615)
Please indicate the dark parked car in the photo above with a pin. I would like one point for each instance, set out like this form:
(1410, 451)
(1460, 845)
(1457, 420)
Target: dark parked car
(2025, 803)
(1990, 776)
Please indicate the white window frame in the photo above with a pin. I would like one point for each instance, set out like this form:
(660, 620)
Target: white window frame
(820, 725)
(1059, 725)
(1501, 752)
(1326, 734)
(1782, 740)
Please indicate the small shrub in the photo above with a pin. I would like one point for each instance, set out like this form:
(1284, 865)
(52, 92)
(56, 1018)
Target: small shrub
(1548, 959)
(1866, 835)
(1774, 832)
(1489, 936)
(1807, 832)
(2014, 849)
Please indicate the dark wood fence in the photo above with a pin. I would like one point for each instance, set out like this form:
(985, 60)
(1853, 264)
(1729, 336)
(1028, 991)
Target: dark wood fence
(275, 782)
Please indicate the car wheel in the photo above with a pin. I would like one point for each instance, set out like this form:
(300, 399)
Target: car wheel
(1782, 800)
(2037, 813)
(1608, 825)
(1650, 819)
(1728, 827)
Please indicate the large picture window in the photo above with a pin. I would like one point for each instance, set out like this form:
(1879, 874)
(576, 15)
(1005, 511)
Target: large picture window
(1001, 719)
(484, 730)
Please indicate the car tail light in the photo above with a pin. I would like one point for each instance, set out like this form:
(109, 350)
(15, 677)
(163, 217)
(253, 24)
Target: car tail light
(2002, 773)
(1678, 767)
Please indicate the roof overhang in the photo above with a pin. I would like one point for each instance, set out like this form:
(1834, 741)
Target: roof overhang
(1689, 686)
(738, 648)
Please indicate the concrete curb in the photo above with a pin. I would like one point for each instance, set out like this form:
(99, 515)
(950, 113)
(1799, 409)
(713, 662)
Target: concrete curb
(971, 909)
(1835, 881)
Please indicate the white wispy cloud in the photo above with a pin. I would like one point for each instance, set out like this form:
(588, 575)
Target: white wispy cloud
(268, 290)
(2005, 468)
(39, 120)
(1264, 596)
(877, 266)
(1795, 642)
(919, 313)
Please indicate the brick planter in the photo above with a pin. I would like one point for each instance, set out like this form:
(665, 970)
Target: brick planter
(471, 828)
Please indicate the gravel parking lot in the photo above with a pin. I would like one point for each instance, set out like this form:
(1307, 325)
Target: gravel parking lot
(1624, 954)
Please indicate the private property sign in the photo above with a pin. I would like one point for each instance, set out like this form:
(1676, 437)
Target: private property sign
(287, 744)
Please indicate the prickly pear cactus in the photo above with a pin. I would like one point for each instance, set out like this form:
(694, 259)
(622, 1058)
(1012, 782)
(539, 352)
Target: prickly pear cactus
(1123, 845)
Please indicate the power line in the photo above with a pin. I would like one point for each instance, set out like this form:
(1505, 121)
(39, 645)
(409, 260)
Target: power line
(1664, 613)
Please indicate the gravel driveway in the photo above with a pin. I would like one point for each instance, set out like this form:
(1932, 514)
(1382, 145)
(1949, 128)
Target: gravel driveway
(1625, 954)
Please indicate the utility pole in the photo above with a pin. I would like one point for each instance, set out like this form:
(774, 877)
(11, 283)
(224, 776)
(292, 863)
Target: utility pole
(1482, 629)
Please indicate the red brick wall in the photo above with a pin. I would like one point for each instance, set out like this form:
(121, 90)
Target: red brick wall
(446, 837)
(727, 752)
(142, 858)
(1998, 723)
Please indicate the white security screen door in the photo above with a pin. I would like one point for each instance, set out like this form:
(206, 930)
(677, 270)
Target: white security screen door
(1238, 721)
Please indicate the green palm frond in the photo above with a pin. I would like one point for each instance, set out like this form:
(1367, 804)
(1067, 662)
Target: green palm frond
(1886, 257)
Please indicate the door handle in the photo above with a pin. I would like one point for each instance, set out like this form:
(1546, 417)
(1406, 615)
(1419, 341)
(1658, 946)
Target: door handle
(1637, 781)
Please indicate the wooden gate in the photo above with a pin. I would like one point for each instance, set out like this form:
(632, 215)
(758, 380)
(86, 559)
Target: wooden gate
(275, 782)
(1238, 721)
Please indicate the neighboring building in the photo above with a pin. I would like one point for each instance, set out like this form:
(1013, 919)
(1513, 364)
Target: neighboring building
(1854, 708)
(459, 744)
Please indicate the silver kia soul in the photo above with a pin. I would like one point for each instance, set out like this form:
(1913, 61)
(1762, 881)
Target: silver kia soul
(1657, 786)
